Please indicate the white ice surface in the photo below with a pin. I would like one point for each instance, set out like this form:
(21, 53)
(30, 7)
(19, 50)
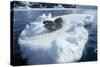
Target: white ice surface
(39, 46)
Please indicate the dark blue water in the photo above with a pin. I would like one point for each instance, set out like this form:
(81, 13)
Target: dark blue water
(21, 18)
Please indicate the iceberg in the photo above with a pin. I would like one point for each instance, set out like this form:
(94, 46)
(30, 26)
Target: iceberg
(58, 6)
(41, 46)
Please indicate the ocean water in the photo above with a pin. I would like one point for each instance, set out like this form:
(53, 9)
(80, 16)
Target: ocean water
(21, 18)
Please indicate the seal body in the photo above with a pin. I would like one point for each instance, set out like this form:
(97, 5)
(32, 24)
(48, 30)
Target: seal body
(53, 25)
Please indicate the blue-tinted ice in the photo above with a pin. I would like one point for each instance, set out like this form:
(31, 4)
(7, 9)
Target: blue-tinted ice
(40, 46)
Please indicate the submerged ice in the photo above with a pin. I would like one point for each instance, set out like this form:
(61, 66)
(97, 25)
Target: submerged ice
(40, 46)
